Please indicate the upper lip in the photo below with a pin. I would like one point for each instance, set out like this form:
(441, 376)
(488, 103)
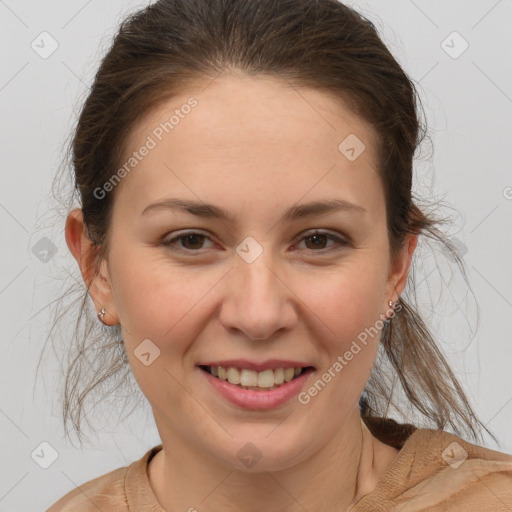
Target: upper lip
(269, 364)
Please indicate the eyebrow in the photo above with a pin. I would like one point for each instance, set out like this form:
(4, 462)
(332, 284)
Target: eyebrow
(295, 212)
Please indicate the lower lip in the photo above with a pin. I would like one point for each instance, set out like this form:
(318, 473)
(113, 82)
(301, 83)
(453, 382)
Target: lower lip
(260, 400)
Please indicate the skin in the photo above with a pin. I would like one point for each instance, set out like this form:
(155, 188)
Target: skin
(255, 147)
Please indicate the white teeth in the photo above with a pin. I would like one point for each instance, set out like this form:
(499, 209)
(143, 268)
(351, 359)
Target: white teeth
(247, 378)
(288, 374)
(233, 375)
(266, 379)
(250, 378)
(278, 376)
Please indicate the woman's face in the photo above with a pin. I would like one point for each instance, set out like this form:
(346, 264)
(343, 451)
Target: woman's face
(254, 285)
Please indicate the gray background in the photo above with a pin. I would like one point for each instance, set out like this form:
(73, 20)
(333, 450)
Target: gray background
(468, 101)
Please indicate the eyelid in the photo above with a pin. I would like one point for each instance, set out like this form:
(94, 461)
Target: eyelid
(340, 240)
(169, 242)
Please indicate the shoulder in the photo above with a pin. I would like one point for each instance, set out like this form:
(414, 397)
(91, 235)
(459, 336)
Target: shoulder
(107, 493)
(436, 471)
(104, 493)
(456, 472)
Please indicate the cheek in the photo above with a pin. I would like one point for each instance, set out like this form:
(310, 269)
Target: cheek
(348, 299)
(349, 307)
(158, 306)
(158, 301)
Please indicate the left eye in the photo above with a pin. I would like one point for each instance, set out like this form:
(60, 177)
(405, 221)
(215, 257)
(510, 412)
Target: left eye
(318, 235)
(194, 240)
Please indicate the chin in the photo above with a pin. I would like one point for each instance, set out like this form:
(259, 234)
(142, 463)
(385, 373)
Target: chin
(265, 451)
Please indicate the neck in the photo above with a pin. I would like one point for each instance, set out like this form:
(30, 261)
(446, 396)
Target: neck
(184, 478)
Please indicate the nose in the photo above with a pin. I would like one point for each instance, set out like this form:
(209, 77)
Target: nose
(258, 302)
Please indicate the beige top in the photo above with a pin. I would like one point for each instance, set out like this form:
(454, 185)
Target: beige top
(434, 471)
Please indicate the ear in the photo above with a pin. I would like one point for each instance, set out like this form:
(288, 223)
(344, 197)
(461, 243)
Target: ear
(399, 271)
(86, 254)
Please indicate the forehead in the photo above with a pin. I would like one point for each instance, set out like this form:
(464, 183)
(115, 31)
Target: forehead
(249, 134)
(253, 111)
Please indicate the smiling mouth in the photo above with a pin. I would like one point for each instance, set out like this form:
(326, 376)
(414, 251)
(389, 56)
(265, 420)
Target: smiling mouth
(256, 381)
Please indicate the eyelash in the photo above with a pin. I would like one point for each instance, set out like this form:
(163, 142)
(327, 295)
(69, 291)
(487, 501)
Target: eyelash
(169, 243)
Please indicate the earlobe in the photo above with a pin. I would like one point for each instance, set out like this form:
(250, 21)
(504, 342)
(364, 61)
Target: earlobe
(94, 273)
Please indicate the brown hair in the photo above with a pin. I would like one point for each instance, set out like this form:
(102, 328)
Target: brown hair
(319, 44)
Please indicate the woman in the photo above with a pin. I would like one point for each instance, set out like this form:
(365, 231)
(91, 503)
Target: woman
(247, 228)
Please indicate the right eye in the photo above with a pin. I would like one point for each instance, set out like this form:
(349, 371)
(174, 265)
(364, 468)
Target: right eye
(193, 238)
